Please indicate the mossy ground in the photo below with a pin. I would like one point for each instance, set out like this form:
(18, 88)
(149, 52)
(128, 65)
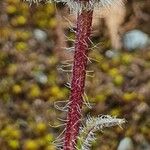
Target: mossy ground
(30, 82)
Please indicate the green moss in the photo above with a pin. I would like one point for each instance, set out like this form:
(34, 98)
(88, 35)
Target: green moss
(100, 97)
(18, 21)
(113, 72)
(30, 145)
(115, 112)
(17, 89)
(12, 69)
(118, 80)
(21, 46)
(126, 59)
(10, 132)
(34, 91)
(41, 127)
(129, 96)
(11, 9)
(14, 144)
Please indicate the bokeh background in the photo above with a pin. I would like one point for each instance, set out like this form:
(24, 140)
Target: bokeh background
(32, 77)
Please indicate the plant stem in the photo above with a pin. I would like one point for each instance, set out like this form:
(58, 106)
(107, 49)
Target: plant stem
(84, 23)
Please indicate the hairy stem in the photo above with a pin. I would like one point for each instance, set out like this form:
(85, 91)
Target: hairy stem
(84, 22)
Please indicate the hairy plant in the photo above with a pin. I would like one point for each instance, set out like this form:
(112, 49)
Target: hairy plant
(87, 132)
(84, 10)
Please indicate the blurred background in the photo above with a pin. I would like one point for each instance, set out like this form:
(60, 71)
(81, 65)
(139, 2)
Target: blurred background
(35, 46)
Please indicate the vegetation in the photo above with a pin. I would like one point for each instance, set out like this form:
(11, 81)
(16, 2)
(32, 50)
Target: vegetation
(30, 83)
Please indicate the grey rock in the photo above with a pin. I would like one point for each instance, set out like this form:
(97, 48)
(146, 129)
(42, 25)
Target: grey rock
(111, 53)
(135, 39)
(41, 78)
(40, 35)
(144, 145)
(126, 144)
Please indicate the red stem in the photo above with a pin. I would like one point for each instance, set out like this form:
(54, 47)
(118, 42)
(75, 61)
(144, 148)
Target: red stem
(84, 23)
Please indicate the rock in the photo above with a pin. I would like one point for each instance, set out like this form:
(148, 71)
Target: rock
(144, 146)
(40, 35)
(135, 39)
(111, 53)
(126, 144)
(41, 78)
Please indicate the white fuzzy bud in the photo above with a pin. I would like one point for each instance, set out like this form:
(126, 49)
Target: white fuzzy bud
(93, 124)
(78, 5)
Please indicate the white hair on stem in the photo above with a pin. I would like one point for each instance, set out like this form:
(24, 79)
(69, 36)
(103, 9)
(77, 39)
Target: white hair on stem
(62, 108)
(86, 100)
(87, 132)
(78, 5)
